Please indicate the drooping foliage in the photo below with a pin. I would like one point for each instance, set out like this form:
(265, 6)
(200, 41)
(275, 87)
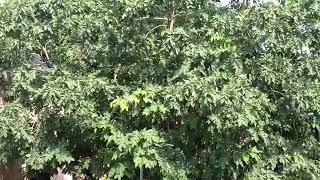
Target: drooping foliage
(170, 89)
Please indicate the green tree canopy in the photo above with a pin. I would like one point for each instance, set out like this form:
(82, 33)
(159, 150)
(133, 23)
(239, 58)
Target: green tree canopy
(181, 89)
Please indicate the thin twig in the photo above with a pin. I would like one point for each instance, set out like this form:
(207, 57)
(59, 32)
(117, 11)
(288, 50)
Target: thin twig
(78, 84)
(175, 15)
(45, 50)
(116, 70)
(161, 25)
(277, 92)
(152, 18)
(158, 18)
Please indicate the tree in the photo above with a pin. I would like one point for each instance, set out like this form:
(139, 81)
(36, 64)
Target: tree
(164, 89)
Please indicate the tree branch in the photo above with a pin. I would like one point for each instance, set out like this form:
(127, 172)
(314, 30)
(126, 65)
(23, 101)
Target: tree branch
(173, 14)
(161, 25)
(152, 18)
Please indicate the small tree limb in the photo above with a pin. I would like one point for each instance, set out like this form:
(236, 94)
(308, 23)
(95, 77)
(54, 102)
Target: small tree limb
(161, 25)
(172, 18)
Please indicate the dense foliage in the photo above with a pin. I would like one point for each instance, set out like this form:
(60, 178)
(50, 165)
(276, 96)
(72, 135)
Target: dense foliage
(167, 89)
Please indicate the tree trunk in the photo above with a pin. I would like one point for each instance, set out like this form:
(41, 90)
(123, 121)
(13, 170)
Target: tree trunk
(11, 171)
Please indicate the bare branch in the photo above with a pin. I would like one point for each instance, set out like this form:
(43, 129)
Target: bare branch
(45, 51)
(152, 18)
(173, 14)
